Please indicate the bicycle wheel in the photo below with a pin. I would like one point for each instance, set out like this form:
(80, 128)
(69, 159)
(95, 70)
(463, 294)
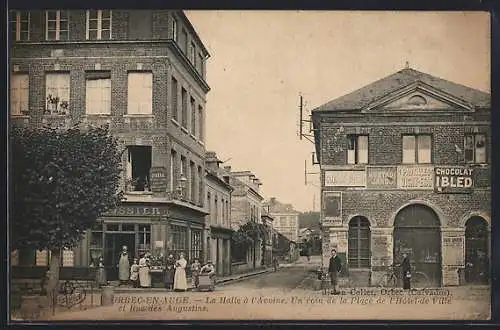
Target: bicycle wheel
(419, 280)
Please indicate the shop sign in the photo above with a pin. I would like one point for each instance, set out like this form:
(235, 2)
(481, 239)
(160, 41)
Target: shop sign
(137, 211)
(345, 178)
(332, 208)
(415, 177)
(381, 177)
(158, 179)
(457, 179)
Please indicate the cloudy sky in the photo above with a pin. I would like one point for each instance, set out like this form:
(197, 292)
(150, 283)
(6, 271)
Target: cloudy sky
(261, 60)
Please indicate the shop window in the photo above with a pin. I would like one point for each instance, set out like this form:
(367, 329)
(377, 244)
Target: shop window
(144, 239)
(128, 227)
(138, 168)
(359, 243)
(96, 247)
(196, 246)
(475, 148)
(112, 227)
(19, 94)
(57, 94)
(179, 241)
(357, 149)
(417, 149)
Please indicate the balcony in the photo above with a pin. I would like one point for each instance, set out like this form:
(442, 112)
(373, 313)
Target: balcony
(139, 122)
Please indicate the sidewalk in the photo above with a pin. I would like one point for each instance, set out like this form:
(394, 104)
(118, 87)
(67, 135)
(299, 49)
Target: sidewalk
(221, 280)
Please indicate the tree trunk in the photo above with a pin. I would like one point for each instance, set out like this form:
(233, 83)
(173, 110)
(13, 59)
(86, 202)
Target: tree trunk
(53, 281)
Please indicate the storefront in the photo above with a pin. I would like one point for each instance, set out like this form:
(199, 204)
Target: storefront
(156, 228)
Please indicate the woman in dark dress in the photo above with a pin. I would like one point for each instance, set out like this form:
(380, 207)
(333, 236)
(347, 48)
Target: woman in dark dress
(406, 272)
(168, 272)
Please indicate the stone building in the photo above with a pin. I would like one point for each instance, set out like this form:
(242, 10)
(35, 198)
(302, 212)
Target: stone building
(246, 206)
(218, 222)
(267, 249)
(143, 73)
(405, 169)
(286, 219)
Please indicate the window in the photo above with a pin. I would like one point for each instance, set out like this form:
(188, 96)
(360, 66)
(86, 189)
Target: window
(140, 93)
(144, 239)
(173, 99)
(19, 94)
(96, 245)
(173, 159)
(179, 241)
(174, 29)
(416, 149)
(200, 123)
(56, 25)
(193, 116)
(138, 168)
(57, 93)
(359, 243)
(200, 185)
(98, 25)
(192, 54)
(196, 246)
(199, 64)
(216, 209)
(209, 205)
(228, 217)
(184, 41)
(184, 108)
(20, 25)
(475, 148)
(357, 149)
(98, 93)
(192, 178)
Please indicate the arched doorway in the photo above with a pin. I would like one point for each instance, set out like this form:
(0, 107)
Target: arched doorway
(476, 251)
(417, 233)
(359, 243)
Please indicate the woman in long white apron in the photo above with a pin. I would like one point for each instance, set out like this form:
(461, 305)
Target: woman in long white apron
(144, 278)
(180, 281)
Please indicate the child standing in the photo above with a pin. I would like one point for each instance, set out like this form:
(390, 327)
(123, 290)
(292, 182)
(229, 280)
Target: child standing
(134, 273)
(195, 272)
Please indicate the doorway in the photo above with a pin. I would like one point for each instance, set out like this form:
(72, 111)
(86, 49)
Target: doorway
(476, 251)
(112, 248)
(417, 233)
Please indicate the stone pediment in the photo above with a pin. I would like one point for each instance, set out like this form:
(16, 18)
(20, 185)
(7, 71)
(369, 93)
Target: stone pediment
(416, 98)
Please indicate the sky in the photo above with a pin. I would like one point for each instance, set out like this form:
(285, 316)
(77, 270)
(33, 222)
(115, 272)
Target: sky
(261, 60)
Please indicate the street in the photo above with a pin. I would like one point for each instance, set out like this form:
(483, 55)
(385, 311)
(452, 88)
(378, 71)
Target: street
(286, 295)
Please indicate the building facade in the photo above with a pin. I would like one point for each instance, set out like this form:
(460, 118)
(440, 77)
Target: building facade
(246, 206)
(143, 73)
(218, 201)
(405, 168)
(267, 248)
(286, 219)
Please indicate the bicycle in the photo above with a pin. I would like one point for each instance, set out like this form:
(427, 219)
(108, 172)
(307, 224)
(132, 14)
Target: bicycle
(393, 278)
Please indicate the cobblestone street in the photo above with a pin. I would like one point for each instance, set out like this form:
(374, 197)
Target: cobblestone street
(285, 295)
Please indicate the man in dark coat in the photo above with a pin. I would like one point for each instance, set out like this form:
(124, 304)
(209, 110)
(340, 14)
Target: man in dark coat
(334, 269)
(406, 272)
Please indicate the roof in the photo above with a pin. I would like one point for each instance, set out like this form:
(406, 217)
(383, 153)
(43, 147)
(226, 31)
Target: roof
(276, 207)
(364, 96)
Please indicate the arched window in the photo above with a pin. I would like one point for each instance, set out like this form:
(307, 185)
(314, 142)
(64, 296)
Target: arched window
(359, 243)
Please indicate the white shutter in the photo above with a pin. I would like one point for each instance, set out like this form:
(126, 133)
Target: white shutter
(424, 149)
(362, 149)
(408, 149)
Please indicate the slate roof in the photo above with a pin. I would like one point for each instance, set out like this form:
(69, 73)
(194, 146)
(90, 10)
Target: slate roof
(362, 97)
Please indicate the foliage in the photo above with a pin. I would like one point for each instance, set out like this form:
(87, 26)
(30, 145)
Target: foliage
(62, 180)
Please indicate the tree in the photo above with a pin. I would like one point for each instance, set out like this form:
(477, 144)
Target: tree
(62, 181)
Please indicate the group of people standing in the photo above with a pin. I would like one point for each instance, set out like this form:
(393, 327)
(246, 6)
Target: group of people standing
(139, 273)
